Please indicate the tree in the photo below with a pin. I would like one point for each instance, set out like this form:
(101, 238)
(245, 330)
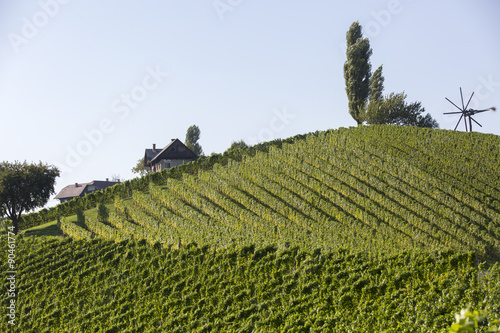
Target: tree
(192, 137)
(361, 87)
(24, 187)
(427, 121)
(357, 72)
(393, 109)
(140, 168)
(80, 218)
(376, 97)
(102, 213)
(376, 85)
(115, 177)
(238, 145)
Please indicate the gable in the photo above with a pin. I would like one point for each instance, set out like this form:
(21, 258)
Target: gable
(175, 150)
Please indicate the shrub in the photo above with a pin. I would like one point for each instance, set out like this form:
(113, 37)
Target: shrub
(102, 213)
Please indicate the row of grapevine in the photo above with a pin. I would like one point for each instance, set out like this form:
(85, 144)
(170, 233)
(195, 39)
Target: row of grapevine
(337, 189)
(152, 229)
(72, 230)
(103, 230)
(126, 188)
(129, 286)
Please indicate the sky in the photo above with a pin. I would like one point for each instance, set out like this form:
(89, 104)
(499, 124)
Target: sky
(87, 86)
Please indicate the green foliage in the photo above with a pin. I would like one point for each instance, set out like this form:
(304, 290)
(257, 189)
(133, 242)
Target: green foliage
(140, 168)
(426, 121)
(357, 72)
(59, 224)
(467, 321)
(368, 229)
(361, 85)
(393, 109)
(376, 86)
(125, 189)
(80, 218)
(24, 187)
(238, 145)
(96, 285)
(384, 182)
(102, 213)
(192, 137)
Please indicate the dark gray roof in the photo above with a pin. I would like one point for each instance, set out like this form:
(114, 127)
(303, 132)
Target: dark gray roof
(71, 191)
(76, 190)
(175, 150)
(150, 154)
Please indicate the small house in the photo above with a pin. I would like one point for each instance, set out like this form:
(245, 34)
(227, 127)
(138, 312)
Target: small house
(174, 154)
(80, 189)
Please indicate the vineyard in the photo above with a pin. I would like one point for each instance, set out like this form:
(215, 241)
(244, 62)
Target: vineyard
(367, 229)
(104, 286)
(377, 189)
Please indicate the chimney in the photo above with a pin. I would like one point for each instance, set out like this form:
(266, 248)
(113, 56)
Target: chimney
(174, 139)
(107, 180)
(154, 147)
(76, 184)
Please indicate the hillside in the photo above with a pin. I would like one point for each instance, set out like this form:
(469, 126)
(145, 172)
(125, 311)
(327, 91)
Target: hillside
(367, 229)
(377, 189)
(102, 286)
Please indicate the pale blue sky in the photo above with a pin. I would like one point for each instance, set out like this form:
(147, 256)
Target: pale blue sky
(88, 85)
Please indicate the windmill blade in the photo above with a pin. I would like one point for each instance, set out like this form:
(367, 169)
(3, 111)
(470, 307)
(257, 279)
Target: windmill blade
(469, 101)
(454, 104)
(458, 122)
(479, 111)
(452, 112)
(475, 121)
(462, 97)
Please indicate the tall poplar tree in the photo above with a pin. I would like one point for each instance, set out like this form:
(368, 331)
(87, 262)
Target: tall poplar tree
(192, 137)
(357, 72)
(376, 99)
(376, 85)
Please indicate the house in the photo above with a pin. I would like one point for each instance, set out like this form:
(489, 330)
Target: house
(174, 154)
(80, 189)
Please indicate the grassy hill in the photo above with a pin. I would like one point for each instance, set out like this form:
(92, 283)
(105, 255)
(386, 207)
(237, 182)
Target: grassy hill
(103, 286)
(377, 189)
(377, 228)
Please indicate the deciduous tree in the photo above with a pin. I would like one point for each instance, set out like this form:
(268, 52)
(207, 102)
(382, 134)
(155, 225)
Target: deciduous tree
(377, 85)
(24, 187)
(357, 72)
(140, 168)
(192, 137)
(393, 109)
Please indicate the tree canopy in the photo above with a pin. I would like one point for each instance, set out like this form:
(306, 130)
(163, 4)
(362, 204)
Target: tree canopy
(192, 137)
(24, 187)
(393, 109)
(238, 145)
(357, 72)
(140, 168)
(376, 85)
(365, 91)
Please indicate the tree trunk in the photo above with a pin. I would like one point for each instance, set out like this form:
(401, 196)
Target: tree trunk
(15, 225)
